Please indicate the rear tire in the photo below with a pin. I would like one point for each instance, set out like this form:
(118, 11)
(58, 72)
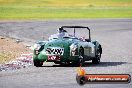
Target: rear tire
(38, 63)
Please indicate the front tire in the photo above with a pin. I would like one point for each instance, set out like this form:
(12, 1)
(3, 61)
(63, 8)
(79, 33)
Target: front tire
(38, 63)
(80, 61)
(96, 60)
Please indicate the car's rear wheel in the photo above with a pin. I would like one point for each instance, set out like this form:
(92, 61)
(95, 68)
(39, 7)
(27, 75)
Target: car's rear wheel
(96, 60)
(38, 63)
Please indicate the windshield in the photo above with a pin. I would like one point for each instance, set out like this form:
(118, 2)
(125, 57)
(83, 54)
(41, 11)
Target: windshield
(76, 33)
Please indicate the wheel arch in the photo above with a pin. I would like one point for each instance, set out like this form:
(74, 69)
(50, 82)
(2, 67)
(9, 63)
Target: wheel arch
(81, 47)
(97, 45)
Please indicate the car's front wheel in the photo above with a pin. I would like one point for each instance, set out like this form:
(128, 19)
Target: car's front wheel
(80, 61)
(96, 60)
(38, 63)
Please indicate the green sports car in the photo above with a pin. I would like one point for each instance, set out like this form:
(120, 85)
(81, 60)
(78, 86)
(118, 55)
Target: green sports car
(66, 48)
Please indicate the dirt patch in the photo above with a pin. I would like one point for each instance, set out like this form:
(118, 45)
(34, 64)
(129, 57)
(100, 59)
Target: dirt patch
(10, 49)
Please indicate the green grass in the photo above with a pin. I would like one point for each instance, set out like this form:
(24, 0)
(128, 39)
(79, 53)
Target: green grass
(63, 9)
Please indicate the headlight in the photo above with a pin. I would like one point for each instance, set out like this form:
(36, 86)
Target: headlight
(37, 46)
(74, 49)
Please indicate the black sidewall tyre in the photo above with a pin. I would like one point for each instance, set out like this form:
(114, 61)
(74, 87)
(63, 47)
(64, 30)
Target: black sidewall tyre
(96, 60)
(37, 63)
(80, 61)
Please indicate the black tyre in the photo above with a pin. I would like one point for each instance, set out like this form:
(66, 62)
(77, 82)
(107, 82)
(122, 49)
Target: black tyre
(96, 60)
(81, 56)
(38, 63)
(80, 61)
(57, 62)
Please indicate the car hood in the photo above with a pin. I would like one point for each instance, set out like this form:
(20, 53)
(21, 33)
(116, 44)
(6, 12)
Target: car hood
(63, 43)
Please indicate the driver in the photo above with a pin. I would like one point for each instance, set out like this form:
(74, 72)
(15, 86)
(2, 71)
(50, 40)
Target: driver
(82, 38)
(61, 33)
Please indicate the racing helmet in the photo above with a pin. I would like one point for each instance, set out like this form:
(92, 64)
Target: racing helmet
(60, 30)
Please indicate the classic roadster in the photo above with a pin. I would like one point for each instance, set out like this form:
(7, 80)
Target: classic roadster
(65, 48)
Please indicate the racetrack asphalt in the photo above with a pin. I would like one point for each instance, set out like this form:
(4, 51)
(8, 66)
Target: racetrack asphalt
(115, 35)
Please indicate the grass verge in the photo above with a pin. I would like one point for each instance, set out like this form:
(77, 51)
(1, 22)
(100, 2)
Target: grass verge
(63, 9)
(63, 13)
